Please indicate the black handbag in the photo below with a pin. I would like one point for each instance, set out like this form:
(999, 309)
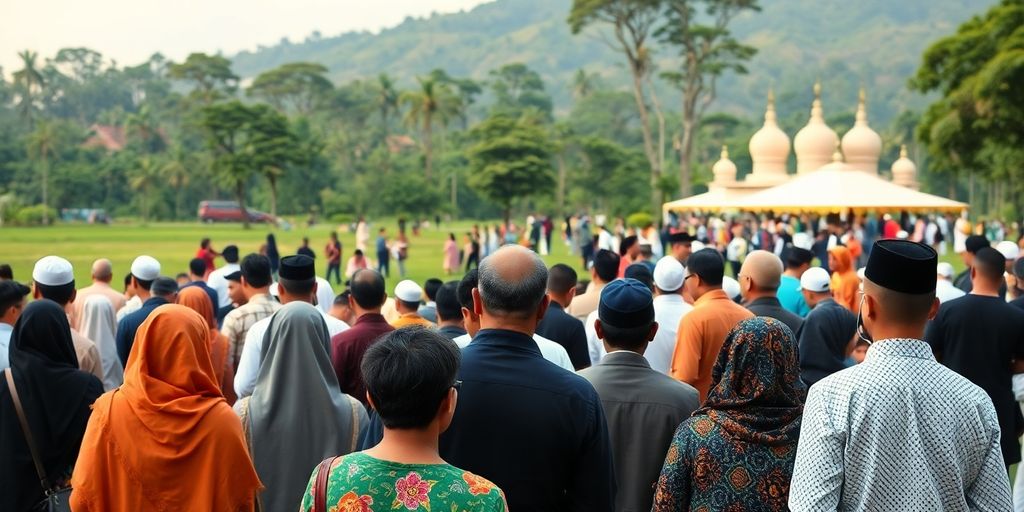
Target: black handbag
(57, 498)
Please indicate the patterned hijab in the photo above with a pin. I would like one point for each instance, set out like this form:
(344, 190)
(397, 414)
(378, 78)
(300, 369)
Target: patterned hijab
(756, 394)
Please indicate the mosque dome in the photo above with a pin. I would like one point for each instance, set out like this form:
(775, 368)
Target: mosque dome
(904, 170)
(815, 142)
(724, 169)
(862, 146)
(769, 147)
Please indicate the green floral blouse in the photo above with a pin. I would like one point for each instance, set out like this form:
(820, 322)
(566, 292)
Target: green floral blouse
(361, 483)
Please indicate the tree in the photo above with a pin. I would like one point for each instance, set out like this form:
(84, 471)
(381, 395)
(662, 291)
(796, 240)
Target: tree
(517, 88)
(229, 136)
(633, 24)
(706, 51)
(297, 86)
(176, 171)
(977, 124)
(511, 159)
(273, 147)
(431, 103)
(143, 181)
(29, 83)
(466, 91)
(387, 97)
(211, 75)
(584, 84)
(144, 131)
(41, 147)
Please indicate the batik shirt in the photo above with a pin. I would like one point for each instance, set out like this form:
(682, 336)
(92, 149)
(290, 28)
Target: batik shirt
(899, 432)
(361, 483)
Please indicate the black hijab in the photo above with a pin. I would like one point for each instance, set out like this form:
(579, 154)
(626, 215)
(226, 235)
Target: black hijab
(56, 397)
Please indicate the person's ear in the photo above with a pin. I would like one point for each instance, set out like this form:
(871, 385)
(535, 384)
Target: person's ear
(869, 309)
(351, 302)
(934, 309)
(36, 294)
(446, 410)
(974, 273)
(653, 332)
(369, 400)
(599, 329)
(241, 280)
(571, 294)
(313, 291)
(478, 304)
(74, 295)
(543, 308)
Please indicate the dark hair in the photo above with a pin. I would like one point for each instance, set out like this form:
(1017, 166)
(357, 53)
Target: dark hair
(359, 252)
(561, 278)
(145, 284)
(272, 248)
(197, 266)
(61, 294)
(629, 338)
(606, 264)
(127, 279)
(305, 240)
(11, 293)
(230, 254)
(627, 244)
(581, 286)
(641, 273)
(163, 286)
(465, 290)
(431, 286)
(413, 305)
(204, 243)
(451, 236)
(181, 275)
(990, 264)
(297, 286)
(797, 257)
(708, 265)
(448, 306)
(256, 270)
(408, 373)
(6, 272)
(368, 288)
(517, 298)
(341, 299)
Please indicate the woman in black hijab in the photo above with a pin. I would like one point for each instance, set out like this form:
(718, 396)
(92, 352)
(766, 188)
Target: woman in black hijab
(273, 254)
(55, 396)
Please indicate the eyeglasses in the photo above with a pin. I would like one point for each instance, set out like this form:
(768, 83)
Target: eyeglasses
(457, 385)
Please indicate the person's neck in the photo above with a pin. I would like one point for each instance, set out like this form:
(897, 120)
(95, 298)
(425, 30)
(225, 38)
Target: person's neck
(895, 331)
(408, 446)
(255, 292)
(360, 312)
(450, 323)
(792, 272)
(703, 293)
(288, 299)
(143, 295)
(402, 311)
(759, 294)
(561, 300)
(100, 282)
(527, 326)
(984, 289)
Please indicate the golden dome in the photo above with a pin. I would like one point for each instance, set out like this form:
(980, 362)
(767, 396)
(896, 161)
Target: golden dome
(769, 147)
(904, 170)
(814, 142)
(724, 169)
(861, 145)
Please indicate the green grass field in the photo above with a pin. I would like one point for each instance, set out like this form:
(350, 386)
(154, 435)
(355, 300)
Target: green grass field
(174, 244)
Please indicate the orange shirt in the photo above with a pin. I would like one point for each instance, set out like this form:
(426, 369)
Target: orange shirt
(700, 337)
(411, 319)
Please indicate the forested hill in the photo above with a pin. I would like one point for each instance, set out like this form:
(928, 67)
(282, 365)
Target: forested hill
(876, 43)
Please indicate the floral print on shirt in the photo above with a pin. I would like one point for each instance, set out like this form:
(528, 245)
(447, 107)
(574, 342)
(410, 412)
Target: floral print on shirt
(361, 483)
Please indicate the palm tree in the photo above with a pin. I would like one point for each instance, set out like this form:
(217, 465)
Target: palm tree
(143, 128)
(387, 99)
(143, 182)
(30, 82)
(433, 102)
(176, 173)
(41, 143)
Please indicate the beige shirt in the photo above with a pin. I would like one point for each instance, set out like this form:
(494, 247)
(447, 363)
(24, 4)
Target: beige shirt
(238, 322)
(96, 288)
(583, 305)
(88, 355)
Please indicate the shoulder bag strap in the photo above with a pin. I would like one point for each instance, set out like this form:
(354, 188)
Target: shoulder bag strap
(323, 472)
(26, 430)
(355, 421)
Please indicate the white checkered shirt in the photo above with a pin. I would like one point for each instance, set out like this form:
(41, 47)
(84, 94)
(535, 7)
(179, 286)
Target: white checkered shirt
(899, 432)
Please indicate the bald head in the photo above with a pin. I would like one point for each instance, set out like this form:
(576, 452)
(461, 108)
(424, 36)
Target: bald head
(102, 270)
(764, 269)
(513, 282)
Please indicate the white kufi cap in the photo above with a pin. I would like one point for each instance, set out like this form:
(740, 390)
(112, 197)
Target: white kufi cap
(53, 271)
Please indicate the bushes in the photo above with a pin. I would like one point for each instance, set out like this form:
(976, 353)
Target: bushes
(33, 215)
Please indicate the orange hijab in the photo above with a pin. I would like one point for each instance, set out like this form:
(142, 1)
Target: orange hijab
(845, 282)
(196, 299)
(165, 440)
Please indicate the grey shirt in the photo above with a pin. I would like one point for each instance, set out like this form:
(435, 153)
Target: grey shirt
(772, 308)
(643, 408)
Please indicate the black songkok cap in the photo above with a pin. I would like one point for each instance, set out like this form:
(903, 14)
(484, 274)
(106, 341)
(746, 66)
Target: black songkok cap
(902, 266)
(235, 276)
(297, 268)
(626, 303)
(680, 238)
(975, 243)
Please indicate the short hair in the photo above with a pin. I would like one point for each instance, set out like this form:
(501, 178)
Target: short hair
(230, 254)
(448, 306)
(901, 308)
(797, 257)
(6, 272)
(990, 264)
(466, 285)
(513, 298)
(127, 279)
(408, 373)
(627, 244)
(641, 273)
(368, 288)
(297, 286)
(145, 284)
(11, 294)
(561, 278)
(431, 286)
(628, 338)
(359, 252)
(181, 275)
(164, 286)
(61, 294)
(606, 264)
(413, 305)
(256, 270)
(708, 265)
(197, 266)
(204, 243)
(341, 299)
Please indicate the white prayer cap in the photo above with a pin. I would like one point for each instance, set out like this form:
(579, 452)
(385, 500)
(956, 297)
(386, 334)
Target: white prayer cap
(803, 241)
(731, 287)
(945, 270)
(815, 280)
(408, 291)
(1009, 250)
(668, 274)
(146, 268)
(53, 271)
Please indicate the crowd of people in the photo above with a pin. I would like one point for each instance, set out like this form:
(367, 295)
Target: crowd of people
(841, 367)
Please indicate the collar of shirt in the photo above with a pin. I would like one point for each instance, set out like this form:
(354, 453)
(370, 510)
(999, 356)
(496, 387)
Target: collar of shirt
(713, 295)
(371, 318)
(506, 338)
(669, 298)
(625, 358)
(766, 301)
(899, 347)
(826, 302)
(411, 315)
(259, 298)
(155, 301)
(556, 306)
(6, 328)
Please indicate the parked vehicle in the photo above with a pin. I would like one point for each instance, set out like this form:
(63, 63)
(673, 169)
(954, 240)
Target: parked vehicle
(229, 211)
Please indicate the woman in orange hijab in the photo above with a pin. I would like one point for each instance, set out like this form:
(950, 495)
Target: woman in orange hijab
(196, 299)
(845, 283)
(165, 440)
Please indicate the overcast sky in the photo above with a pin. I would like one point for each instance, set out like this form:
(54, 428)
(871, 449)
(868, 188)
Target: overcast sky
(129, 31)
